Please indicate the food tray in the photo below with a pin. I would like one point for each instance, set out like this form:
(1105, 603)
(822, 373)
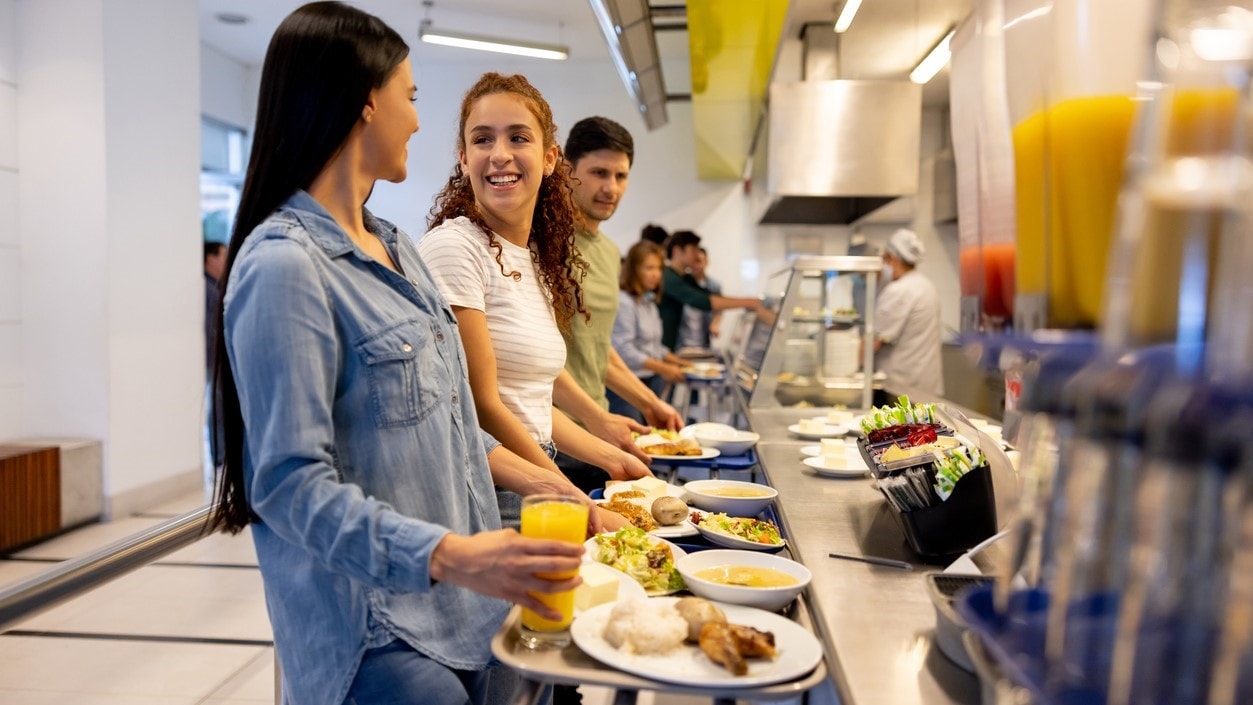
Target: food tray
(570, 666)
(968, 516)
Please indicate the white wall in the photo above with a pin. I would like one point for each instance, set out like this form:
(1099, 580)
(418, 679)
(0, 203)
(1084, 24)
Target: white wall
(663, 187)
(108, 222)
(11, 373)
(226, 94)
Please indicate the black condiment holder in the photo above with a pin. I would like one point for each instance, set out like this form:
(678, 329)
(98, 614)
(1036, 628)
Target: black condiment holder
(948, 528)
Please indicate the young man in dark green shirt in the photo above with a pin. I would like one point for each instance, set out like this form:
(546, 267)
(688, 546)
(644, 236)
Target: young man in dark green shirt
(679, 289)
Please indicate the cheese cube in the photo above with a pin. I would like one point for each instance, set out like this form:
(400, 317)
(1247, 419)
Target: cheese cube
(600, 585)
(650, 486)
(813, 426)
(839, 416)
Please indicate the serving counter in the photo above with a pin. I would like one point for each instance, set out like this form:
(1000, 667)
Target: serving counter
(876, 622)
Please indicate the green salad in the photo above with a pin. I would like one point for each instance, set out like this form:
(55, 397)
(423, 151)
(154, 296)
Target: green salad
(754, 530)
(645, 559)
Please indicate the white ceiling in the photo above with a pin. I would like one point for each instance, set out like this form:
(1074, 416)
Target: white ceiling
(886, 41)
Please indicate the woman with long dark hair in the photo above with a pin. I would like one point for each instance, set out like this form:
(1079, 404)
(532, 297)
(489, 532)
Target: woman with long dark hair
(501, 247)
(351, 446)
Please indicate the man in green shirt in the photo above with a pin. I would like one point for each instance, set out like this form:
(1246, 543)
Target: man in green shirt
(679, 289)
(601, 151)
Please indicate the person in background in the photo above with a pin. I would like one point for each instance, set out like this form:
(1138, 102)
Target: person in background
(637, 329)
(699, 328)
(601, 152)
(679, 289)
(352, 451)
(502, 250)
(214, 268)
(907, 320)
(654, 234)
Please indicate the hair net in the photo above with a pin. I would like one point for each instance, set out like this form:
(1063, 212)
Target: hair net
(906, 245)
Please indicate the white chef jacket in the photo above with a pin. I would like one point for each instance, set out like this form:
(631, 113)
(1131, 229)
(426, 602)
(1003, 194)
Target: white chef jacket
(907, 320)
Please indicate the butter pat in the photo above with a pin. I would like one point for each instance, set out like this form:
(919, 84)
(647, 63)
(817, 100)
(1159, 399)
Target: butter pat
(600, 585)
(834, 451)
(839, 416)
(812, 426)
(650, 486)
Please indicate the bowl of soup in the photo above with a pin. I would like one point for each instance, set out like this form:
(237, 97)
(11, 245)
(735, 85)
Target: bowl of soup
(731, 497)
(763, 580)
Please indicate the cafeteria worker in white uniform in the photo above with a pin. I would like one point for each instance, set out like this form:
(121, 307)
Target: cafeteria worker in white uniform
(907, 320)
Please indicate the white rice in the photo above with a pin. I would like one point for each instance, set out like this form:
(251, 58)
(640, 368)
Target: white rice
(645, 627)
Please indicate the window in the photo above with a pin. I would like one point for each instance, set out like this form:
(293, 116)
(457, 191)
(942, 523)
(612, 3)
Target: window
(222, 158)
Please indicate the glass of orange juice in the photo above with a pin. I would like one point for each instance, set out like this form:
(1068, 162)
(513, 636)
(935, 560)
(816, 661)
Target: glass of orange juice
(559, 518)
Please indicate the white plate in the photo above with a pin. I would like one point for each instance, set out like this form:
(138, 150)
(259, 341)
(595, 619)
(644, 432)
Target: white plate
(830, 431)
(853, 466)
(687, 528)
(798, 651)
(589, 553)
(672, 490)
(814, 451)
(705, 454)
(628, 589)
(728, 541)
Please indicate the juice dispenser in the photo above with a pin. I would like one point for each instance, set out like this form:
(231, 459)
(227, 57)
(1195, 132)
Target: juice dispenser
(1071, 82)
(984, 154)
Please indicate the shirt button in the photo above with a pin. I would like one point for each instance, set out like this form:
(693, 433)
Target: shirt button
(406, 347)
(413, 282)
(454, 397)
(439, 337)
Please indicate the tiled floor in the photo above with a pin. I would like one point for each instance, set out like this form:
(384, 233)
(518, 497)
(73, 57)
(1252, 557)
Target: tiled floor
(190, 629)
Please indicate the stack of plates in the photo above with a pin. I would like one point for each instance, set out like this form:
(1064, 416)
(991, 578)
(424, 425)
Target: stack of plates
(840, 358)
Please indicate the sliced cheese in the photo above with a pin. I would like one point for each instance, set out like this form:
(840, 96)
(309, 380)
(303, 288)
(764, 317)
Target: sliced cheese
(600, 585)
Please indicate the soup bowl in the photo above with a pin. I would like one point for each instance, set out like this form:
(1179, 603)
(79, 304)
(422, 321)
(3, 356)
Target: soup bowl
(737, 499)
(704, 570)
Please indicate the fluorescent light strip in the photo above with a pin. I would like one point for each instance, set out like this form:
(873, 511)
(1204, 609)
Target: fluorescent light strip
(473, 41)
(846, 15)
(930, 66)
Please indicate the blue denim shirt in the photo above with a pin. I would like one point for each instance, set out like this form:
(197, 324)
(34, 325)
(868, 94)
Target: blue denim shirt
(363, 449)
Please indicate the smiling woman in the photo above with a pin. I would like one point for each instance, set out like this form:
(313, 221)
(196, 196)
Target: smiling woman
(502, 252)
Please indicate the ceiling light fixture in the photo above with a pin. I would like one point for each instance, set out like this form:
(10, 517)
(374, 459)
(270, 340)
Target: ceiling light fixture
(628, 29)
(537, 50)
(935, 60)
(846, 15)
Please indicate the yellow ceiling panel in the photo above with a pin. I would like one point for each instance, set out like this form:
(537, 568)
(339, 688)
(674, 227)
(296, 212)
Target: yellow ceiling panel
(732, 48)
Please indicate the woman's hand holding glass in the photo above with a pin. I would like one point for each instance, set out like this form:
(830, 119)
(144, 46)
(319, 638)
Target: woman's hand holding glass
(504, 564)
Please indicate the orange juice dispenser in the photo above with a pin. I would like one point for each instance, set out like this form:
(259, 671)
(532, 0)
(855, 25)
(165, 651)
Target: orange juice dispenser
(985, 161)
(1071, 70)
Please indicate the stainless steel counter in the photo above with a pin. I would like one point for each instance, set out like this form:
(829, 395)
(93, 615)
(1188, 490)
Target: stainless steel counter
(876, 621)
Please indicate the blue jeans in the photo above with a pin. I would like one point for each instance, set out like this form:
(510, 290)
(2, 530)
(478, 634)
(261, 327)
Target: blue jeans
(395, 674)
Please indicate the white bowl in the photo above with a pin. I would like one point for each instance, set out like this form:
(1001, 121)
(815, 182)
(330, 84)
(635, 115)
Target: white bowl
(702, 494)
(730, 441)
(691, 430)
(772, 598)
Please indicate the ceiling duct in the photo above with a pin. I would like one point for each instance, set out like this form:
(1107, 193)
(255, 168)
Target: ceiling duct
(838, 150)
(628, 29)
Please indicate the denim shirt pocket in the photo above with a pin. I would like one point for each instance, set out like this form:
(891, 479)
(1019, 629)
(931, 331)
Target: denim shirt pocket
(405, 372)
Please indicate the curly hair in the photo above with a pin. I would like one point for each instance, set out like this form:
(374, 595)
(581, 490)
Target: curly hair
(561, 267)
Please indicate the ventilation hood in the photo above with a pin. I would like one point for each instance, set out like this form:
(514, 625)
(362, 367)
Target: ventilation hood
(838, 150)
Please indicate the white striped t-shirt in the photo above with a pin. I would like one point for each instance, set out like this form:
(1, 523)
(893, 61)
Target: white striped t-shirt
(530, 351)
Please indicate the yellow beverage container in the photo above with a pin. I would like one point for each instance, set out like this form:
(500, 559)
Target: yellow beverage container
(556, 518)
(1068, 169)
(1072, 72)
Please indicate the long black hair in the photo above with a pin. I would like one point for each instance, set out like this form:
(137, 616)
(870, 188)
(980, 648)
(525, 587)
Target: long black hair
(320, 67)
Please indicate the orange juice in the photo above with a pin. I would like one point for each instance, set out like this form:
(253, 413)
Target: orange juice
(1068, 170)
(559, 519)
(1068, 164)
